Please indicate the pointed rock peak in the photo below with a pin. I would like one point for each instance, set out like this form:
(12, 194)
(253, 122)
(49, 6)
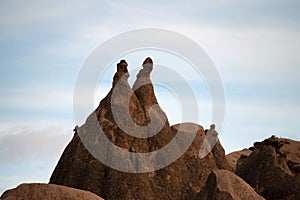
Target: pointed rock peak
(148, 63)
(147, 68)
(148, 60)
(122, 72)
(143, 87)
(122, 66)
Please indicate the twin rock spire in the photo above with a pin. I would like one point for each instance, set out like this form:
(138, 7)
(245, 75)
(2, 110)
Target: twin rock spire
(122, 71)
(181, 179)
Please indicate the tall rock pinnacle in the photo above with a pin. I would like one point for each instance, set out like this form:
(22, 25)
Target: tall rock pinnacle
(122, 72)
(136, 110)
(143, 87)
(144, 91)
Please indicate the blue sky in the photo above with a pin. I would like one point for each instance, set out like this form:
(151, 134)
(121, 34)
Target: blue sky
(255, 46)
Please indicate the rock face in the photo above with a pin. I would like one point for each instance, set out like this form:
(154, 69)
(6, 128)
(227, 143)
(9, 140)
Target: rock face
(40, 191)
(272, 169)
(291, 149)
(182, 179)
(222, 184)
(233, 157)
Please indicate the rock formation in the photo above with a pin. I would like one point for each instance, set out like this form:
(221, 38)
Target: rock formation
(222, 184)
(40, 191)
(269, 170)
(182, 179)
(291, 150)
(233, 157)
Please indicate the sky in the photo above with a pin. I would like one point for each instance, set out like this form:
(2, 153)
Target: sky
(255, 46)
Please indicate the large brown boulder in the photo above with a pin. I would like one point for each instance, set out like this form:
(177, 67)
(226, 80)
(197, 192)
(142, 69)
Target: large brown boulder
(182, 179)
(223, 184)
(38, 191)
(269, 172)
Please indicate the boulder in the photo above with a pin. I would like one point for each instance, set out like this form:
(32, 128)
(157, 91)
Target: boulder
(38, 191)
(223, 184)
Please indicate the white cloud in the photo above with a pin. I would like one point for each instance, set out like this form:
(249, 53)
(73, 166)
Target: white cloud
(29, 154)
(40, 97)
(247, 55)
(21, 144)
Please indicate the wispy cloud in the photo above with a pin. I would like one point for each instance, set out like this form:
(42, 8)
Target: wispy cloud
(29, 154)
(22, 144)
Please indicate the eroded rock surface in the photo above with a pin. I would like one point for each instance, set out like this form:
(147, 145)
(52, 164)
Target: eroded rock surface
(182, 179)
(269, 171)
(223, 184)
(233, 157)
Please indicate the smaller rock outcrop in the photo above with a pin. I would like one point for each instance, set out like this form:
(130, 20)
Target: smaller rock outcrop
(269, 171)
(223, 184)
(38, 191)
